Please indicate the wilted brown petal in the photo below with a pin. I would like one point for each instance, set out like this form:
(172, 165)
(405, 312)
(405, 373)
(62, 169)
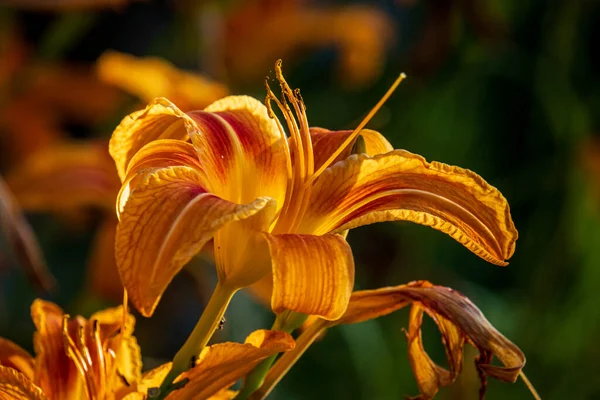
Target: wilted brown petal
(458, 319)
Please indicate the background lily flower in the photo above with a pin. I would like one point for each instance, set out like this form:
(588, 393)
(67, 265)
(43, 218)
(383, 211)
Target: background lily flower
(71, 179)
(457, 318)
(151, 77)
(99, 359)
(264, 197)
(257, 32)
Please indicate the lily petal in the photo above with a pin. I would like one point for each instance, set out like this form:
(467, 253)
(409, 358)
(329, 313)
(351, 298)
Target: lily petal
(66, 176)
(311, 274)
(403, 186)
(429, 375)
(243, 149)
(326, 142)
(166, 219)
(160, 120)
(14, 356)
(55, 373)
(16, 386)
(163, 153)
(153, 378)
(221, 365)
(117, 339)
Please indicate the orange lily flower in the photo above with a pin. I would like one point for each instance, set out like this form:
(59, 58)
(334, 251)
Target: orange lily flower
(275, 206)
(457, 318)
(70, 178)
(99, 359)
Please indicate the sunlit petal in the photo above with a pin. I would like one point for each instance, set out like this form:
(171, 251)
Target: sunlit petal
(166, 219)
(14, 356)
(311, 274)
(160, 120)
(16, 386)
(164, 153)
(242, 148)
(402, 186)
(221, 365)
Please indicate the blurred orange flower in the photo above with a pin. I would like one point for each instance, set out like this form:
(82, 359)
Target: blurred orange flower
(61, 176)
(99, 359)
(257, 32)
(70, 178)
(57, 96)
(151, 77)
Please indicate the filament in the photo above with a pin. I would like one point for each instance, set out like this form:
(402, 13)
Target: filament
(359, 128)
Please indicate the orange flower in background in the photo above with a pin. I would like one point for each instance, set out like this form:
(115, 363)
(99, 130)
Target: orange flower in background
(257, 32)
(457, 318)
(275, 205)
(99, 359)
(65, 177)
(70, 178)
(57, 96)
(151, 77)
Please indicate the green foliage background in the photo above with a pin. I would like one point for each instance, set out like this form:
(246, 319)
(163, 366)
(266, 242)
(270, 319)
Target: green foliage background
(514, 96)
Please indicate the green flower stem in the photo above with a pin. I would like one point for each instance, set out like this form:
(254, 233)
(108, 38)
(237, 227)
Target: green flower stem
(287, 321)
(202, 333)
(288, 359)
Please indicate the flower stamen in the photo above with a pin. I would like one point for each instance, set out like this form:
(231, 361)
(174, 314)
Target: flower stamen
(358, 129)
(78, 359)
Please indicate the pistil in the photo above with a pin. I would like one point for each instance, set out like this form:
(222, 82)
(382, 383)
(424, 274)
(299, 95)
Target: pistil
(358, 129)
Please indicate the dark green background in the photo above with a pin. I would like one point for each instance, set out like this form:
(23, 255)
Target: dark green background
(509, 91)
